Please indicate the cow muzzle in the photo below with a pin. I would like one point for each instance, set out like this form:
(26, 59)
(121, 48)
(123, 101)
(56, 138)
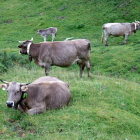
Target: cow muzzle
(10, 104)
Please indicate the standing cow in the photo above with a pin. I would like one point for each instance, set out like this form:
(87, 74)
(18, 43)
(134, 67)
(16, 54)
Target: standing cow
(59, 53)
(44, 93)
(49, 31)
(119, 29)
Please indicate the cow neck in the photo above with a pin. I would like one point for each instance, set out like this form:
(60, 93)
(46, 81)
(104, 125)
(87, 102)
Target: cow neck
(23, 96)
(33, 50)
(133, 27)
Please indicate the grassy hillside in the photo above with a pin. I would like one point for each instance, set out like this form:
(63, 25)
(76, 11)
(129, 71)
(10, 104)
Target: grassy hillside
(106, 106)
(80, 19)
(100, 108)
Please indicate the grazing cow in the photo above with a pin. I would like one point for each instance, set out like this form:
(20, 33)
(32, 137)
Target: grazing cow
(44, 93)
(59, 53)
(49, 31)
(119, 29)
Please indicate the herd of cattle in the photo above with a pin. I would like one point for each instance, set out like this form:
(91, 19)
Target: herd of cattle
(50, 92)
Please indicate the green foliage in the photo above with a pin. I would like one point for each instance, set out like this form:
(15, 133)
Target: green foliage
(9, 60)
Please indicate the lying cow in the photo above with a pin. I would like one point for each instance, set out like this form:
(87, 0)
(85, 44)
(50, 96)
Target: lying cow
(59, 53)
(119, 29)
(44, 93)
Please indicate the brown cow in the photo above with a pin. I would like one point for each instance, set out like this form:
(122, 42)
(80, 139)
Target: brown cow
(44, 93)
(119, 29)
(59, 53)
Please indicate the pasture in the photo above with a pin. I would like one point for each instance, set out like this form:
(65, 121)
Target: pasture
(103, 107)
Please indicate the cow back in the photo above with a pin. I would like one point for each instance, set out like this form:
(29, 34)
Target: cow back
(54, 95)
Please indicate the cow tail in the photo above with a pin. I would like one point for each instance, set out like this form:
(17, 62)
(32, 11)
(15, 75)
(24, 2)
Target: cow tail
(102, 35)
(88, 49)
(67, 84)
(55, 34)
(89, 46)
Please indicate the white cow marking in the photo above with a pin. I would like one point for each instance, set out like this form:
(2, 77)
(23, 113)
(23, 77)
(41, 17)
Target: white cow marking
(41, 63)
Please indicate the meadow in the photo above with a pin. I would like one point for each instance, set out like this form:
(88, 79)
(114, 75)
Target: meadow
(103, 107)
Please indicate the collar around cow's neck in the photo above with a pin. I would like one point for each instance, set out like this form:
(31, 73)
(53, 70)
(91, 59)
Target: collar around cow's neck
(28, 47)
(135, 26)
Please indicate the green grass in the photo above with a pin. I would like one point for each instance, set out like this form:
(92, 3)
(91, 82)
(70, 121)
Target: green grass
(103, 107)
(100, 108)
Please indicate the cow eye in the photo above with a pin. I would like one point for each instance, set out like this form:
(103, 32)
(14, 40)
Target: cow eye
(17, 92)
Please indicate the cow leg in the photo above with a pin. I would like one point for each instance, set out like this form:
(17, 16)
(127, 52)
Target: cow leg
(44, 38)
(22, 108)
(47, 69)
(81, 66)
(87, 63)
(106, 37)
(124, 38)
(53, 36)
(37, 110)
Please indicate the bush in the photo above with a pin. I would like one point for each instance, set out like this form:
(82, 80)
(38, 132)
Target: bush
(9, 60)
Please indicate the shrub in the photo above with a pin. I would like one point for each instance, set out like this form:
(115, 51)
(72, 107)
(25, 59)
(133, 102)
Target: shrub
(9, 60)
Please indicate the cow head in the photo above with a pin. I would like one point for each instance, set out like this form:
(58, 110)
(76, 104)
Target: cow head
(137, 24)
(24, 45)
(15, 93)
(38, 31)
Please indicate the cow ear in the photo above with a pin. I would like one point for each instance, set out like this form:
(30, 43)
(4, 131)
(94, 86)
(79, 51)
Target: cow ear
(24, 88)
(4, 86)
(67, 84)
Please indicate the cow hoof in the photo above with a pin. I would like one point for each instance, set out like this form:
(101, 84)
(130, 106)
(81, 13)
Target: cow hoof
(91, 77)
(106, 44)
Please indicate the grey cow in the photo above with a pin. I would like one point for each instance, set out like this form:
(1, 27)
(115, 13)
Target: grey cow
(119, 29)
(44, 93)
(49, 31)
(59, 53)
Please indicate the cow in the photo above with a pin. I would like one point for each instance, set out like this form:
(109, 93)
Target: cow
(35, 98)
(49, 31)
(119, 29)
(59, 53)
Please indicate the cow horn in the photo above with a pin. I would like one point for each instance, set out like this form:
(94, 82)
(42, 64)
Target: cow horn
(137, 21)
(21, 41)
(4, 81)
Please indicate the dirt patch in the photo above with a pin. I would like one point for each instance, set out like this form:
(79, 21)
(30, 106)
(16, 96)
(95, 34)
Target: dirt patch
(11, 120)
(9, 21)
(32, 131)
(21, 134)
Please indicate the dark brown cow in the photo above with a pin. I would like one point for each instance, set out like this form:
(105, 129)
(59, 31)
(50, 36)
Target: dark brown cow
(119, 29)
(59, 53)
(44, 93)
